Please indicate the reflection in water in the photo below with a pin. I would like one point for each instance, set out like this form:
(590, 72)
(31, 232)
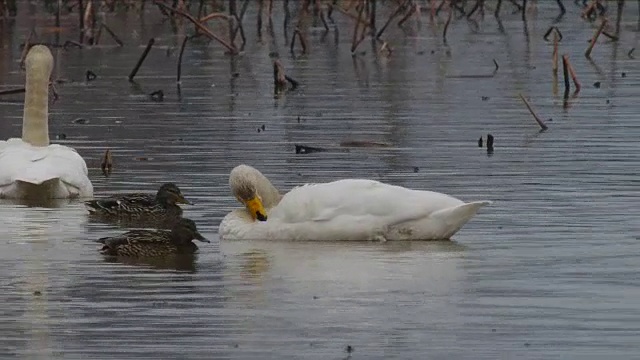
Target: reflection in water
(35, 280)
(548, 271)
(183, 262)
(255, 264)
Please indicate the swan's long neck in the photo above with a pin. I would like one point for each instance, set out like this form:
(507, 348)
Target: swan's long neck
(247, 177)
(35, 125)
(270, 195)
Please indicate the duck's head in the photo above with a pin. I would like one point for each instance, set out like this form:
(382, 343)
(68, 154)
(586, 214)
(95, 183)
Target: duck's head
(244, 187)
(185, 231)
(170, 194)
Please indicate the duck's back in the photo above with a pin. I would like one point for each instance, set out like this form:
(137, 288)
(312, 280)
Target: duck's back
(143, 244)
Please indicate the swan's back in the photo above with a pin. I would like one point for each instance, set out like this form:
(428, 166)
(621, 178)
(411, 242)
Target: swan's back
(59, 169)
(357, 198)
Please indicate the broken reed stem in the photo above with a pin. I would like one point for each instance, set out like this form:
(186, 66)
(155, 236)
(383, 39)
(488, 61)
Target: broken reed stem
(23, 90)
(446, 25)
(565, 71)
(238, 19)
(113, 35)
(184, 44)
(279, 80)
(576, 83)
(297, 32)
(555, 53)
(259, 25)
(372, 16)
(354, 41)
(355, 17)
(322, 17)
(12, 91)
(107, 163)
(25, 50)
(214, 16)
(96, 38)
(232, 49)
(395, 13)
(89, 21)
(141, 59)
(592, 43)
(303, 41)
(81, 13)
(412, 11)
(543, 126)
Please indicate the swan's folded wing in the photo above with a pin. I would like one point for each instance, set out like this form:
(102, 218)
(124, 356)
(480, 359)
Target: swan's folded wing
(357, 199)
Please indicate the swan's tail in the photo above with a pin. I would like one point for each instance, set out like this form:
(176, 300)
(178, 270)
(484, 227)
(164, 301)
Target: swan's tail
(40, 187)
(457, 216)
(36, 179)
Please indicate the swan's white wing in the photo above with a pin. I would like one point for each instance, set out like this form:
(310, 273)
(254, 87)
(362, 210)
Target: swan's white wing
(358, 200)
(21, 162)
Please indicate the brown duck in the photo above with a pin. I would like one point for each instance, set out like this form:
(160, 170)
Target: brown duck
(140, 206)
(154, 243)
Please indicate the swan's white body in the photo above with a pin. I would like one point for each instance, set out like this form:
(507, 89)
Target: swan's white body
(31, 168)
(51, 172)
(353, 209)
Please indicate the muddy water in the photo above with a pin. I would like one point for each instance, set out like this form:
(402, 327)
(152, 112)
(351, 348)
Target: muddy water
(549, 271)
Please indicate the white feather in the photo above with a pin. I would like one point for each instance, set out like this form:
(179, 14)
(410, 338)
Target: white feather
(32, 168)
(58, 171)
(354, 209)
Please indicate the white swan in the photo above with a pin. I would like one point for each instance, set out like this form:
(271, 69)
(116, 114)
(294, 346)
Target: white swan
(349, 209)
(31, 168)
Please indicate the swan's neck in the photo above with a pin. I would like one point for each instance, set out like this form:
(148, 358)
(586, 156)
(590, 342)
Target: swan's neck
(270, 195)
(35, 125)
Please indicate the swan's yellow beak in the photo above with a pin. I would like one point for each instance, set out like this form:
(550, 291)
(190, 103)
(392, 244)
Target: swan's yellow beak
(256, 209)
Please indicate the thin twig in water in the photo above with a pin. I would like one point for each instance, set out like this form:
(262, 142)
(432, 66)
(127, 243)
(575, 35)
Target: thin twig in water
(399, 9)
(27, 46)
(141, 59)
(113, 35)
(543, 126)
(576, 83)
(592, 43)
(446, 25)
(232, 49)
(184, 44)
(354, 41)
(565, 72)
(107, 163)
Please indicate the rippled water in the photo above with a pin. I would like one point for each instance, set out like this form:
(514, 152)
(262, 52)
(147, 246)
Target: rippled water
(549, 271)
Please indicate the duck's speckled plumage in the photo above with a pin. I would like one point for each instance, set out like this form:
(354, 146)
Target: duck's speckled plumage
(161, 206)
(154, 243)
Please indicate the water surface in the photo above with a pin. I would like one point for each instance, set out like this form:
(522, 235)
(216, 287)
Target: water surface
(548, 271)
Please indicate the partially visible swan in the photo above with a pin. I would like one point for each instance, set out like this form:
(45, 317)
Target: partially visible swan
(31, 168)
(349, 209)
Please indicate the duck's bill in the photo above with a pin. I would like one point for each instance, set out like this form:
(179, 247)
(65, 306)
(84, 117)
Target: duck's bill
(256, 209)
(202, 238)
(181, 200)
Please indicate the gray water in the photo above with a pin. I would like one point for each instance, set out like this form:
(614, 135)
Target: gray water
(548, 271)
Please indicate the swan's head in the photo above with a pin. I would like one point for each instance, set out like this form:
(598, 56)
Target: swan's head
(39, 61)
(244, 187)
(170, 194)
